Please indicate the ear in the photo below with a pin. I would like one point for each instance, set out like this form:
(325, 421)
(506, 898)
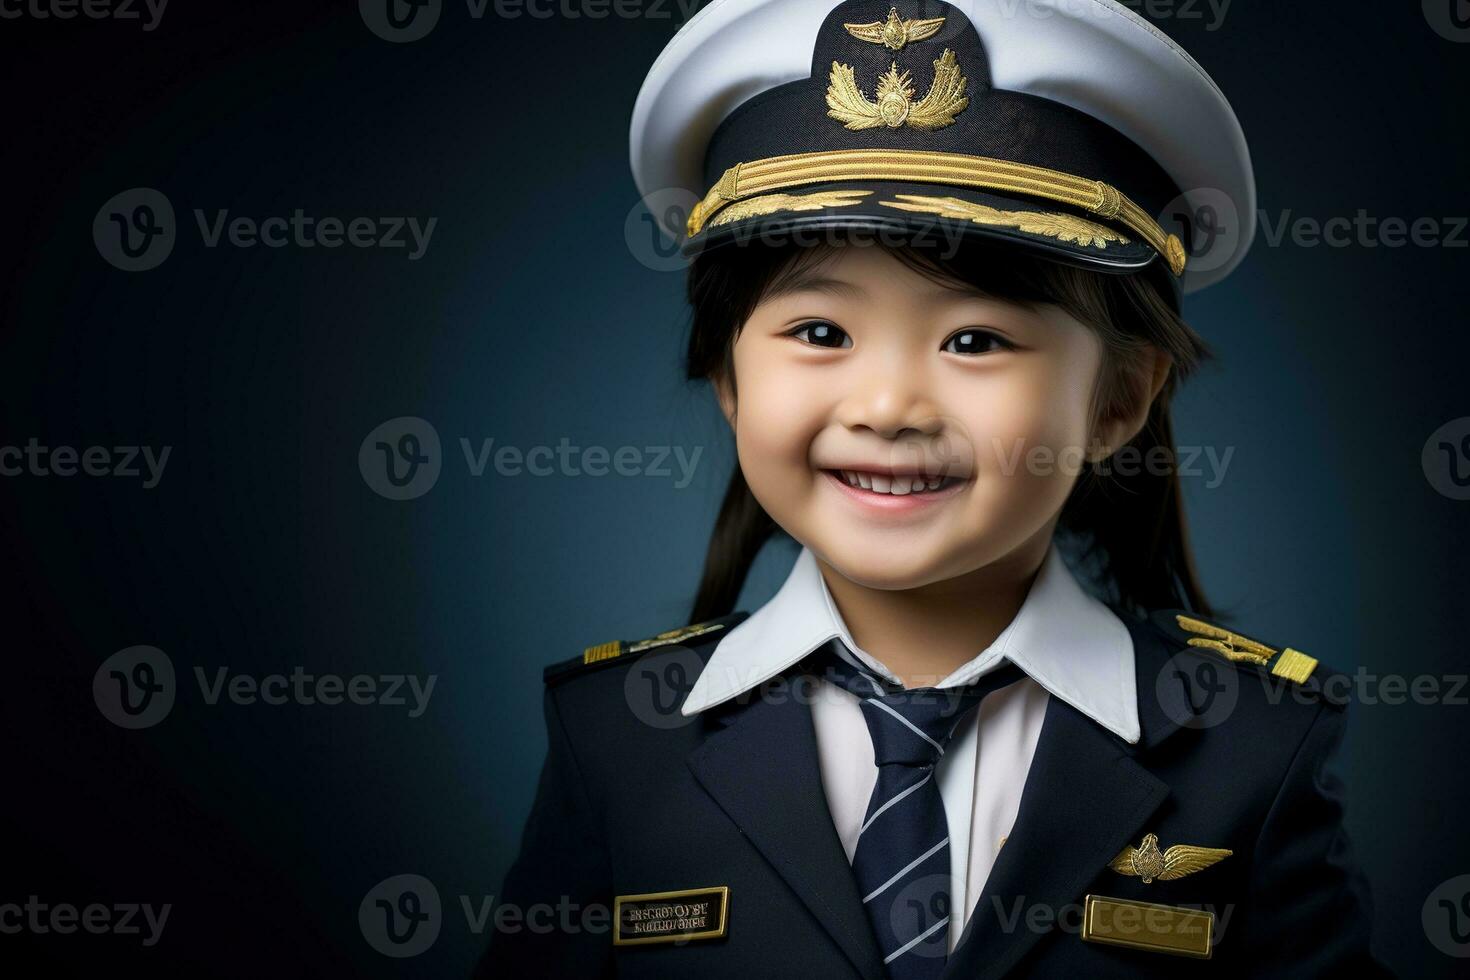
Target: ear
(1147, 380)
(725, 395)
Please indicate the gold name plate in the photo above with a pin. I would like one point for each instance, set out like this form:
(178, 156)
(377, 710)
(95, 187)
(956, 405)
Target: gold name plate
(671, 917)
(1144, 925)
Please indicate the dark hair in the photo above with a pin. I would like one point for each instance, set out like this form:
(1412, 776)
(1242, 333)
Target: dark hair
(1127, 528)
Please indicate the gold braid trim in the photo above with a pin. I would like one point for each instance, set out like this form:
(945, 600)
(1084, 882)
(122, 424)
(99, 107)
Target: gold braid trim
(753, 177)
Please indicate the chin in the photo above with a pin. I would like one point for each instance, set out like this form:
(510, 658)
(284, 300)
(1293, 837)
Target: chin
(887, 563)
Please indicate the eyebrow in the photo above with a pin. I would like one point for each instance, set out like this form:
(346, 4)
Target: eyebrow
(808, 282)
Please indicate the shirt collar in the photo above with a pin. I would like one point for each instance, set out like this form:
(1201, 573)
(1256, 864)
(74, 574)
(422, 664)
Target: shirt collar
(1064, 639)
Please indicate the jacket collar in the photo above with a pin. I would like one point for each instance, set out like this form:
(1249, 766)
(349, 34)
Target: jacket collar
(1064, 639)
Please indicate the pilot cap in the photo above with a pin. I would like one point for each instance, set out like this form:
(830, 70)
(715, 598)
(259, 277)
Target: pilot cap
(1072, 128)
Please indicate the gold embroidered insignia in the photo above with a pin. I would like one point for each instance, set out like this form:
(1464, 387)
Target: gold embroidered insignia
(1292, 664)
(895, 32)
(1232, 646)
(770, 203)
(895, 106)
(1148, 862)
(1053, 224)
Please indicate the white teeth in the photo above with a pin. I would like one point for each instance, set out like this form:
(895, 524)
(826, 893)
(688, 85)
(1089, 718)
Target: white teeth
(898, 485)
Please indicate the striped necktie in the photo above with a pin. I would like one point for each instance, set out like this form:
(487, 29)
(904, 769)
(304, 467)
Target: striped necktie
(902, 857)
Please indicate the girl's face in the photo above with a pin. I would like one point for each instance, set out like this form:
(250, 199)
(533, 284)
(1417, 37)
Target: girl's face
(868, 372)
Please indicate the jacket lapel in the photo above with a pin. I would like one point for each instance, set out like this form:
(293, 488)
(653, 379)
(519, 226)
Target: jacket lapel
(1085, 798)
(762, 769)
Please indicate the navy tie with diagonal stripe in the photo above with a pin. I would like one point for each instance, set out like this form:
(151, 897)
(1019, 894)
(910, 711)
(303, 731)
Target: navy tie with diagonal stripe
(902, 857)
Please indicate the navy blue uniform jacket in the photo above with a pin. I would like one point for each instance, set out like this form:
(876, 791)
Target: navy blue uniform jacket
(734, 797)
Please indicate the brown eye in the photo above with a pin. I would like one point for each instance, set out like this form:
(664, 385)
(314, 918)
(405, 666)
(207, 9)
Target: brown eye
(975, 342)
(820, 333)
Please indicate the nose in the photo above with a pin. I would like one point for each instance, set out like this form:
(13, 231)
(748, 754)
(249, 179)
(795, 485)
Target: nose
(891, 401)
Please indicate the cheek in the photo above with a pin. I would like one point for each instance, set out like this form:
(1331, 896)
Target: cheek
(777, 415)
(1048, 405)
(1029, 429)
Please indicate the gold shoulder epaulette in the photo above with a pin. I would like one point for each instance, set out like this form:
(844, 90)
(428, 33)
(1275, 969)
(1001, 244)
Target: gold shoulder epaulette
(1291, 664)
(616, 648)
(601, 655)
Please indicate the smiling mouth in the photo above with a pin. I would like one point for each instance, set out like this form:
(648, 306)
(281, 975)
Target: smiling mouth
(894, 484)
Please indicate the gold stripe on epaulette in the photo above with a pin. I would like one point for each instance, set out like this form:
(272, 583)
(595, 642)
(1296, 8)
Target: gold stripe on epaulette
(1232, 646)
(675, 636)
(1294, 665)
(602, 651)
(616, 648)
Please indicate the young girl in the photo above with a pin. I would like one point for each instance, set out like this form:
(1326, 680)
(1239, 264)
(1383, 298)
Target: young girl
(989, 725)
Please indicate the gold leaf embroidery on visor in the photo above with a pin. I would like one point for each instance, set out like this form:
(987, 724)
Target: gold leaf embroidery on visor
(1053, 224)
(770, 203)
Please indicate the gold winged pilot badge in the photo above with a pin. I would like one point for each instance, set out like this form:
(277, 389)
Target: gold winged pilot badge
(895, 105)
(895, 32)
(1148, 862)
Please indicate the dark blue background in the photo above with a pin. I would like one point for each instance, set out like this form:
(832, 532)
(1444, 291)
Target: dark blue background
(534, 316)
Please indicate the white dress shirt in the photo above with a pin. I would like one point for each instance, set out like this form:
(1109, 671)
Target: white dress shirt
(1068, 644)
